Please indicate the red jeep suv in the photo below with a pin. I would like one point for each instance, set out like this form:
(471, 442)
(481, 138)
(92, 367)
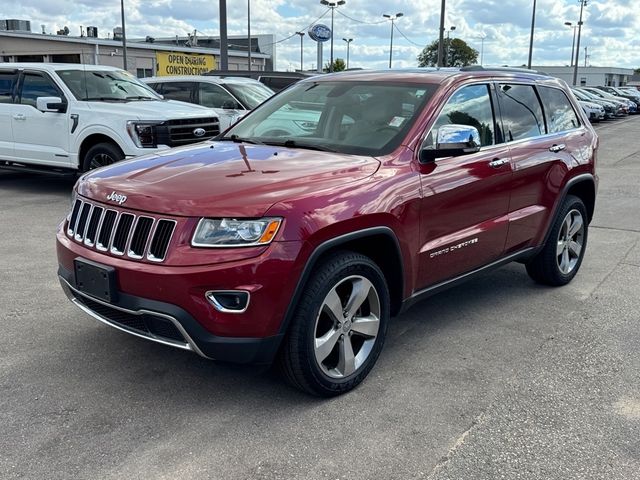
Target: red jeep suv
(299, 246)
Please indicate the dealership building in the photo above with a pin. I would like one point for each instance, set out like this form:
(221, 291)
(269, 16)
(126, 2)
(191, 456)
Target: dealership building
(145, 57)
(590, 76)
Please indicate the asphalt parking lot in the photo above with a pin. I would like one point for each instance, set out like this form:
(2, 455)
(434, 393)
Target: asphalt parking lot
(497, 378)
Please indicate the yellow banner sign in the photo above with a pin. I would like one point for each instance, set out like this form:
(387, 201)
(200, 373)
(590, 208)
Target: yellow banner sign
(170, 63)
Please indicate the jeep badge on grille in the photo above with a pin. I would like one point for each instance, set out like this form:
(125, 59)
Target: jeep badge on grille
(116, 197)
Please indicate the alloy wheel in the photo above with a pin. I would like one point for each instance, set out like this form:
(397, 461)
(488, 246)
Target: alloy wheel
(570, 242)
(100, 160)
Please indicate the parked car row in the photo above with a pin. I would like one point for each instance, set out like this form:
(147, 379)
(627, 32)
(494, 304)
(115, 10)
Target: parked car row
(607, 102)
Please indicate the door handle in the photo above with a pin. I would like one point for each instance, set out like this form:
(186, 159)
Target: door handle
(19, 116)
(557, 148)
(498, 162)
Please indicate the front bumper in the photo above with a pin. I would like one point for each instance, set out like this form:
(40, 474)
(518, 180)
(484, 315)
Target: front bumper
(169, 325)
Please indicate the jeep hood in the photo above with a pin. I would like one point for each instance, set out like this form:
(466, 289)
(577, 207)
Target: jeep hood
(152, 109)
(223, 178)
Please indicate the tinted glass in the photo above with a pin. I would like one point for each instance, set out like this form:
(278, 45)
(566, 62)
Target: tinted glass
(34, 86)
(7, 81)
(250, 94)
(558, 110)
(468, 106)
(106, 86)
(215, 97)
(178, 91)
(521, 112)
(358, 117)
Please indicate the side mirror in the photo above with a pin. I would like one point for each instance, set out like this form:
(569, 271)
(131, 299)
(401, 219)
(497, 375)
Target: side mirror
(452, 141)
(51, 104)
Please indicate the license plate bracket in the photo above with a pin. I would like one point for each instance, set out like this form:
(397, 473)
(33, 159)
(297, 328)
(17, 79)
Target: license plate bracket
(95, 279)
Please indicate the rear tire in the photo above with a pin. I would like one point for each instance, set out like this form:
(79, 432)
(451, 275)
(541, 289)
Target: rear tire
(100, 155)
(560, 258)
(338, 328)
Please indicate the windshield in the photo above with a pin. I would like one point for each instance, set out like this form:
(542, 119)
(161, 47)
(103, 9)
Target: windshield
(250, 94)
(104, 86)
(362, 118)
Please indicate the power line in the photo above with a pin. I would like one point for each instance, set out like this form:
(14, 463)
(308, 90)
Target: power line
(406, 38)
(359, 21)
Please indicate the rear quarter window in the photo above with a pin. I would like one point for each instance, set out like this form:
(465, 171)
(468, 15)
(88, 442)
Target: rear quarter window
(558, 110)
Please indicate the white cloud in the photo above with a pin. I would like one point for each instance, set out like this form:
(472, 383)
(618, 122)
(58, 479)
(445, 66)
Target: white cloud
(608, 33)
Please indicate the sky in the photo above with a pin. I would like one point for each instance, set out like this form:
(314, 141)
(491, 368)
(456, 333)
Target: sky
(610, 30)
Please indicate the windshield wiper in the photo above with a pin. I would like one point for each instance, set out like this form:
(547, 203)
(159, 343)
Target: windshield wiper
(104, 99)
(236, 139)
(308, 146)
(140, 97)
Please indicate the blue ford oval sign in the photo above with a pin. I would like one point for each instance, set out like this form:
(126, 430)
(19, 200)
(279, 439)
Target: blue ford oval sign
(320, 33)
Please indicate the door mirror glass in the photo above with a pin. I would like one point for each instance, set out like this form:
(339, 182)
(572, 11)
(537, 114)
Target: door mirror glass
(51, 104)
(451, 141)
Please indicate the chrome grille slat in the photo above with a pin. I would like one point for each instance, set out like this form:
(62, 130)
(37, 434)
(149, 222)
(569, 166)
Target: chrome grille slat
(120, 233)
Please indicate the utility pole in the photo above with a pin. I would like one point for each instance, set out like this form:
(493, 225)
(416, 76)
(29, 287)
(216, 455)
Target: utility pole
(224, 47)
(575, 65)
(441, 34)
(533, 26)
(249, 33)
(448, 42)
(586, 50)
(332, 4)
(124, 38)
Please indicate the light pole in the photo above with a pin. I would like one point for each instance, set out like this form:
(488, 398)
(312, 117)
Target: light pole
(332, 4)
(482, 36)
(301, 59)
(249, 33)
(446, 58)
(441, 34)
(348, 40)
(224, 47)
(573, 45)
(393, 19)
(124, 37)
(575, 64)
(533, 26)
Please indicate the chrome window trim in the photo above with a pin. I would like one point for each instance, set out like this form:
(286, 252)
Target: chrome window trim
(72, 293)
(150, 257)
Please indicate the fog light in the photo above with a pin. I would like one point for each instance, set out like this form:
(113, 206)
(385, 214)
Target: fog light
(228, 301)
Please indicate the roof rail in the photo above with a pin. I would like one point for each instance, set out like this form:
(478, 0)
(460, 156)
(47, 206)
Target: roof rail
(480, 68)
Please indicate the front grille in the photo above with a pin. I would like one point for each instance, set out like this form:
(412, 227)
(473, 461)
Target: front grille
(181, 131)
(120, 233)
(145, 324)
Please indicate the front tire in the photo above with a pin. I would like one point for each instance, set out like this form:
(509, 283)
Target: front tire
(560, 258)
(338, 328)
(100, 155)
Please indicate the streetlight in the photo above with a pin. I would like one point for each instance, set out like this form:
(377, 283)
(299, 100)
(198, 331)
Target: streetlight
(348, 40)
(575, 65)
(249, 33)
(533, 26)
(332, 4)
(482, 36)
(393, 19)
(573, 45)
(441, 34)
(301, 62)
(446, 60)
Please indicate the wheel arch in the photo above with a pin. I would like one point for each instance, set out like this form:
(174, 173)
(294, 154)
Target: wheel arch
(92, 140)
(584, 187)
(378, 243)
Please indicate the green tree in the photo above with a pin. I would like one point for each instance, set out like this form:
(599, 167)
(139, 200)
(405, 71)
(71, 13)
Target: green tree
(457, 53)
(338, 65)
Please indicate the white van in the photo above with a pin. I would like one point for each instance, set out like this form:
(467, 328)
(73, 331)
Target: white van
(70, 117)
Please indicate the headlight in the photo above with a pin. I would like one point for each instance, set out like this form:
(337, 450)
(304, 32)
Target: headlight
(231, 232)
(143, 134)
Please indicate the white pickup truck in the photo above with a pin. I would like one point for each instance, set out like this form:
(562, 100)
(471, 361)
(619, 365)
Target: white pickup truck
(69, 117)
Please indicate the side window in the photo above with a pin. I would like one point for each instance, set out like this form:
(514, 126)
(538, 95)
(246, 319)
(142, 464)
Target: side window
(155, 86)
(521, 112)
(35, 85)
(560, 114)
(7, 82)
(181, 91)
(214, 96)
(471, 106)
